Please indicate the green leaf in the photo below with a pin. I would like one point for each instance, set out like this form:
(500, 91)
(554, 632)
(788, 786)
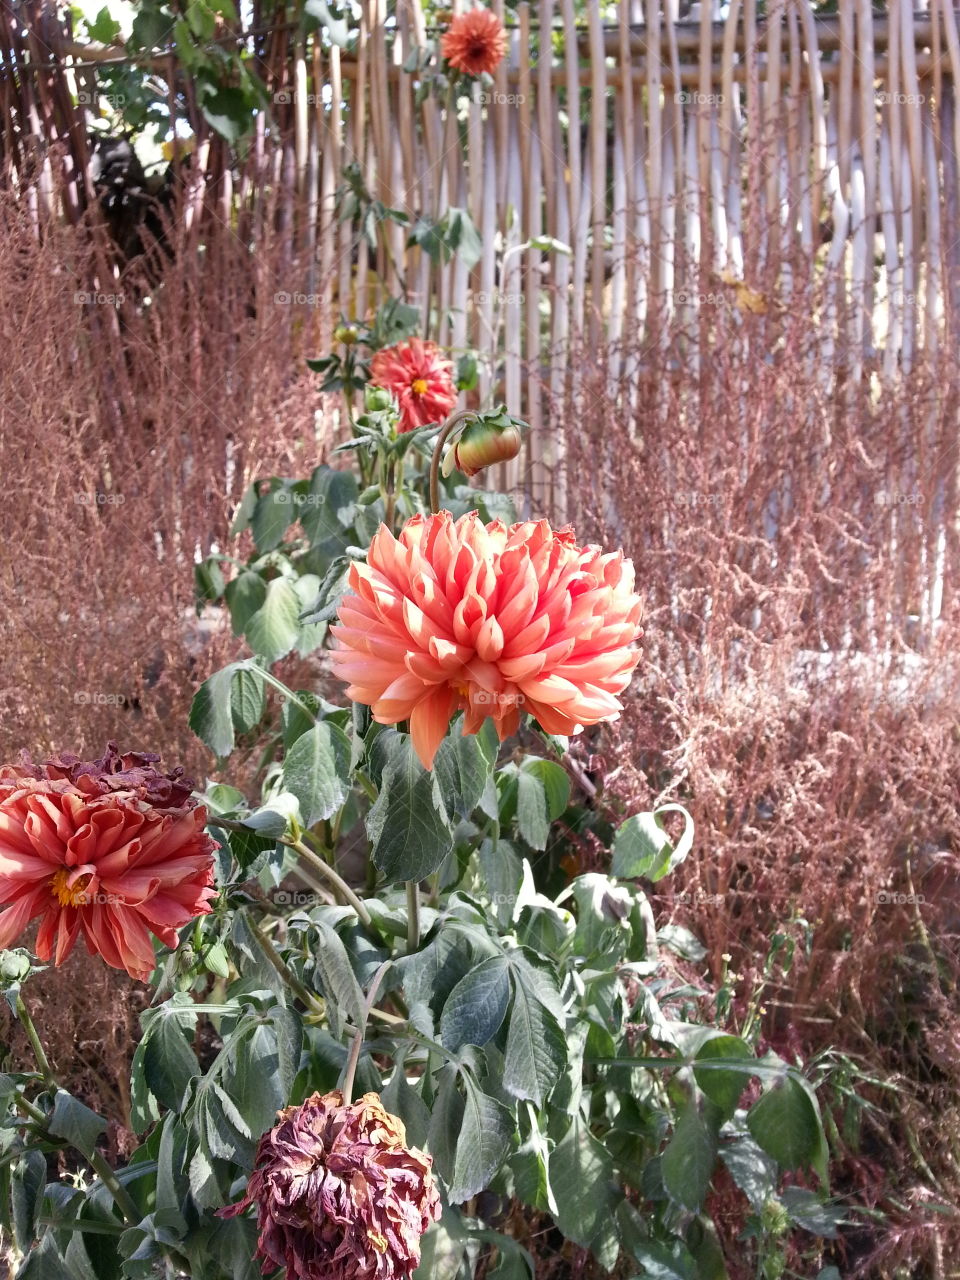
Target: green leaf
(582, 1175)
(689, 1157)
(272, 631)
(316, 769)
(328, 507)
(462, 769)
(809, 1211)
(785, 1121)
(169, 1063)
(536, 1050)
(754, 1172)
(556, 784)
(482, 1142)
(642, 847)
(45, 1262)
(408, 826)
(244, 595)
(74, 1122)
(463, 237)
(248, 697)
(337, 979)
(477, 1005)
(532, 821)
(723, 1087)
(211, 714)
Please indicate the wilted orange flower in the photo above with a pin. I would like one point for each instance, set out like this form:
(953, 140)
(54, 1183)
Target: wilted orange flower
(417, 374)
(475, 43)
(110, 848)
(456, 614)
(338, 1193)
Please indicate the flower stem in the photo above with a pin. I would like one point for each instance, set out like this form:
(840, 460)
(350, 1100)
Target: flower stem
(334, 878)
(121, 1196)
(413, 916)
(449, 426)
(276, 960)
(351, 1067)
(43, 1062)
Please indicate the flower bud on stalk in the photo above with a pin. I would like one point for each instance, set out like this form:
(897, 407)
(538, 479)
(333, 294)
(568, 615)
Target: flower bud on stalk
(482, 443)
(346, 334)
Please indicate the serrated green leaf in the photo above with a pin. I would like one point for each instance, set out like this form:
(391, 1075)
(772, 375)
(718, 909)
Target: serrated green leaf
(337, 979)
(75, 1122)
(169, 1063)
(408, 826)
(785, 1121)
(272, 631)
(477, 1005)
(272, 517)
(244, 595)
(723, 1087)
(642, 848)
(316, 769)
(689, 1157)
(211, 714)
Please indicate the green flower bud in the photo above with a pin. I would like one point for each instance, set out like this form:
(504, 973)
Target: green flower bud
(376, 400)
(482, 443)
(346, 334)
(14, 965)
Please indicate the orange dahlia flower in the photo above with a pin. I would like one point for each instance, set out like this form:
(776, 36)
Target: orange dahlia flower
(422, 381)
(475, 43)
(111, 848)
(338, 1193)
(458, 614)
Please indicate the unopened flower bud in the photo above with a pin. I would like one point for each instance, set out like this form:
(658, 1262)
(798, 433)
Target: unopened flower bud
(346, 334)
(14, 965)
(376, 400)
(482, 443)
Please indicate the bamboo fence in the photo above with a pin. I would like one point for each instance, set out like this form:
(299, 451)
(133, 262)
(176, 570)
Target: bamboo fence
(771, 157)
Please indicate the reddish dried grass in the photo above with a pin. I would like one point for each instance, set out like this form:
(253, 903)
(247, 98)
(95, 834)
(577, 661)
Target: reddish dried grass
(818, 784)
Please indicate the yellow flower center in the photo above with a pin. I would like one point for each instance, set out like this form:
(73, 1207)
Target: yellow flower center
(69, 895)
(419, 386)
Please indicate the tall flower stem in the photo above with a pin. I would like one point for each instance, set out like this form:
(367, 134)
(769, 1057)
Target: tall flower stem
(121, 1196)
(43, 1062)
(413, 915)
(334, 878)
(449, 427)
(351, 1068)
(276, 960)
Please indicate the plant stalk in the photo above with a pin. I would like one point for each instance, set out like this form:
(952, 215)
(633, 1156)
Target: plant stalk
(449, 426)
(351, 1069)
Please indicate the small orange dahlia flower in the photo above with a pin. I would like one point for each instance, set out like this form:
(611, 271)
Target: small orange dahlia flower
(110, 848)
(475, 43)
(338, 1194)
(422, 381)
(490, 619)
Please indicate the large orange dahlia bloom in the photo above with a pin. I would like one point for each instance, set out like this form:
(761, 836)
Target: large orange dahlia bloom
(422, 381)
(475, 43)
(110, 848)
(490, 619)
